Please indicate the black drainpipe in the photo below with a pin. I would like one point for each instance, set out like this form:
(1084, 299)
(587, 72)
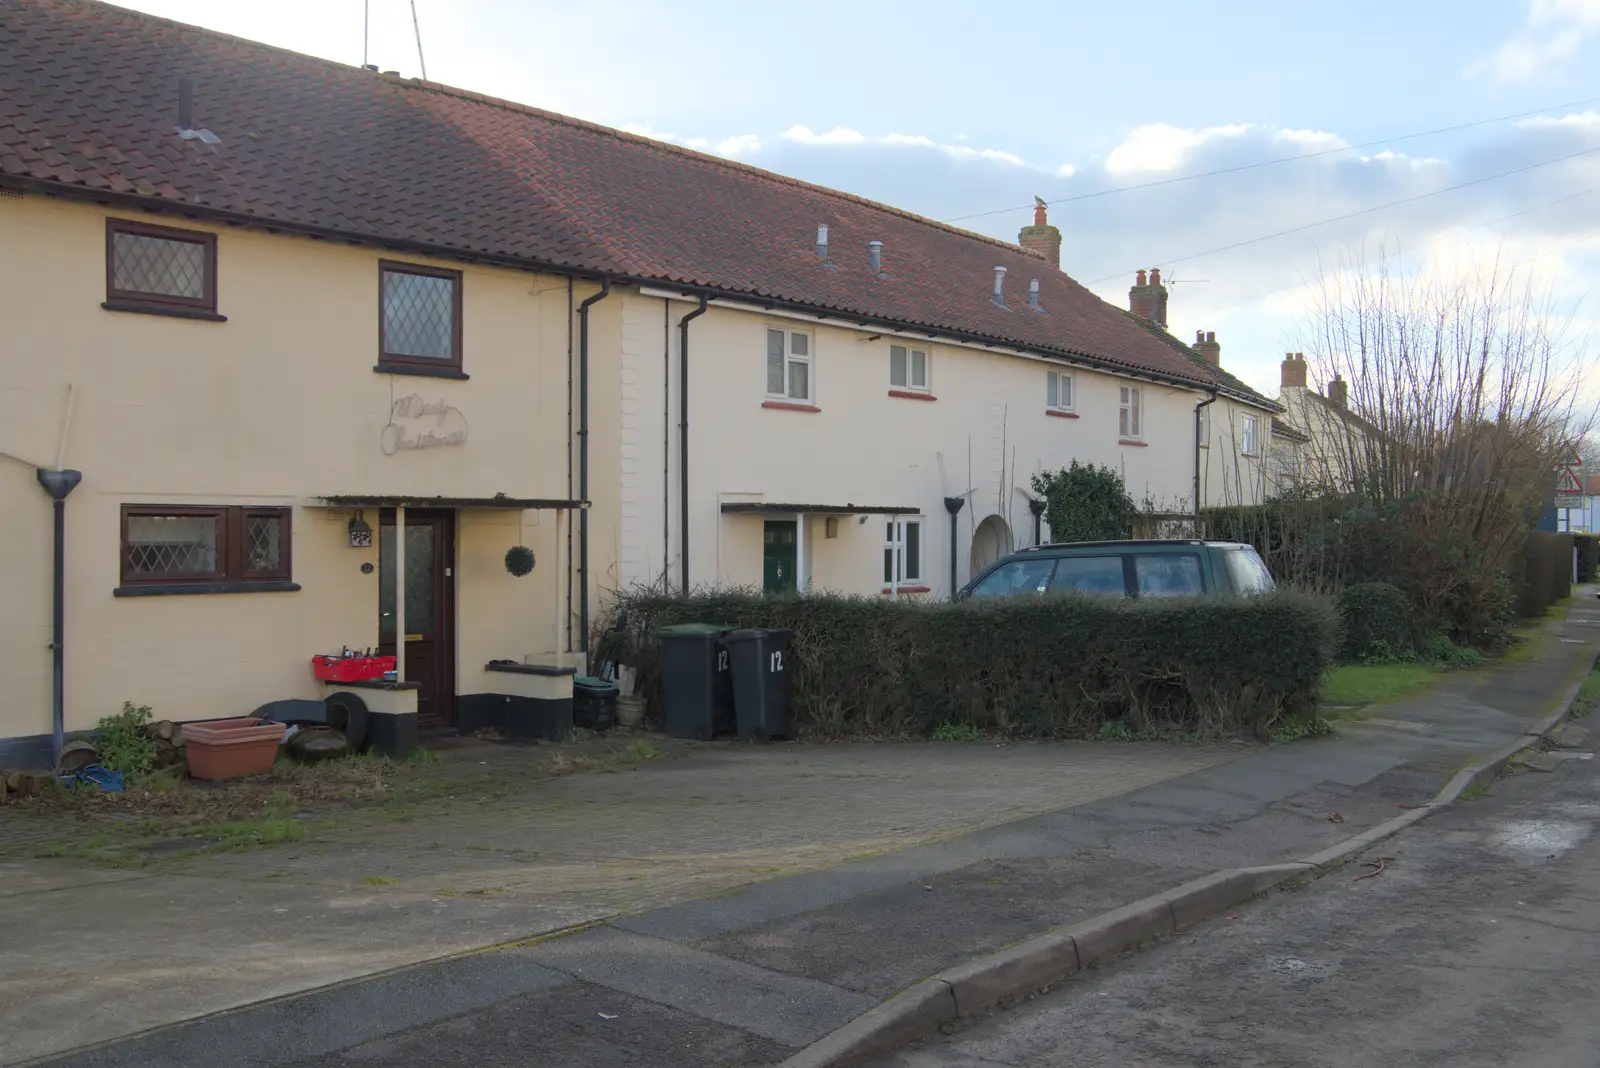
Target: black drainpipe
(683, 438)
(953, 506)
(583, 460)
(59, 484)
(1198, 408)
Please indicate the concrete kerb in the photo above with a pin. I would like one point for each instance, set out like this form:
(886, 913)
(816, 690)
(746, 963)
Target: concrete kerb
(1032, 966)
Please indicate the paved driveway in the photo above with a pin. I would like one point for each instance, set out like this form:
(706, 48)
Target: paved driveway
(135, 948)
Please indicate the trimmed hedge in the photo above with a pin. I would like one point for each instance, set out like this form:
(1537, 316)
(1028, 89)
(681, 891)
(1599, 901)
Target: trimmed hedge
(1377, 620)
(1546, 572)
(1588, 556)
(1056, 667)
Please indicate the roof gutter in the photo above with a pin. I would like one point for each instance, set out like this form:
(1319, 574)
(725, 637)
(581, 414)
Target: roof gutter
(660, 287)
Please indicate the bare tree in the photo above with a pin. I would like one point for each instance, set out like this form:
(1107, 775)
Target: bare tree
(1451, 399)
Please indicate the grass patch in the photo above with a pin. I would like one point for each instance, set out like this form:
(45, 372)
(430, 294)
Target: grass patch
(1474, 792)
(1372, 684)
(247, 834)
(381, 880)
(1588, 695)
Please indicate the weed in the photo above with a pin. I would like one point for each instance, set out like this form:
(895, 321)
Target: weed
(1116, 730)
(381, 880)
(1297, 727)
(957, 732)
(247, 834)
(424, 757)
(122, 743)
(1474, 792)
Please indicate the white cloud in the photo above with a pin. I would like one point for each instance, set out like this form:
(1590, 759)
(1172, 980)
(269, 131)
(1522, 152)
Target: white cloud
(1311, 140)
(1582, 120)
(736, 146)
(839, 135)
(1553, 31)
(1066, 170)
(1160, 147)
(843, 135)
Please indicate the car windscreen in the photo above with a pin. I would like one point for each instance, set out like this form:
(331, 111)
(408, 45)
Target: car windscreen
(1168, 575)
(1016, 578)
(1247, 573)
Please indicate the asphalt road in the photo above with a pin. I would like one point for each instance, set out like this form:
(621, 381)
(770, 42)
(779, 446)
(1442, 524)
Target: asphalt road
(1478, 944)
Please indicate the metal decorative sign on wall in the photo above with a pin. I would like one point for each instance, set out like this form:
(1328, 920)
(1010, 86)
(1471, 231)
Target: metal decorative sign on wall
(415, 423)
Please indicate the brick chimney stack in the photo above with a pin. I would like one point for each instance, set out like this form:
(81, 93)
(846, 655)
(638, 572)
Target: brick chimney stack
(1339, 392)
(1148, 299)
(1041, 239)
(1294, 370)
(1206, 344)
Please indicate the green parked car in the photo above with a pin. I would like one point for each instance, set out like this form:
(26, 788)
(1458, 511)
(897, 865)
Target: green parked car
(1127, 569)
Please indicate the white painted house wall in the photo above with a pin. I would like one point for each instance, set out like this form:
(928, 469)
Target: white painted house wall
(862, 447)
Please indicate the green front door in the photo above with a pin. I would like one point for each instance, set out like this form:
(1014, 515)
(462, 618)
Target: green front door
(778, 562)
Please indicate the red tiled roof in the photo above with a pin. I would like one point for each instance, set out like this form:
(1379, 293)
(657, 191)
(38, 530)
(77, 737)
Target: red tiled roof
(89, 99)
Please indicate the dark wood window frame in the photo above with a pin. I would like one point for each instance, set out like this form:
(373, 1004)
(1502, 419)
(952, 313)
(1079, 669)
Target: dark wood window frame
(397, 363)
(203, 307)
(232, 538)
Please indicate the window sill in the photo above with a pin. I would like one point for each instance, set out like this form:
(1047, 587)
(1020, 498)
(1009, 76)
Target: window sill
(156, 309)
(1059, 414)
(912, 394)
(790, 406)
(1131, 441)
(176, 589)
(420, 371)
(908, 589)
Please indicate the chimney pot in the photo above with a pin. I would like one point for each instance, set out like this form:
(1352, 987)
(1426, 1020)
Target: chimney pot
(1041, 239)
(1199, 337)
(1139, 279)
(1155, 276)
(1205, 343)
(1039, 213)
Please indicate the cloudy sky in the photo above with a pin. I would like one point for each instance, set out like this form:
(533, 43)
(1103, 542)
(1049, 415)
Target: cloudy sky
(1459, 131)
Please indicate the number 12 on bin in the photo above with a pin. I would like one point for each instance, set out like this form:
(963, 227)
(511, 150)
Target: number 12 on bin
(722, 660)
(775, 661)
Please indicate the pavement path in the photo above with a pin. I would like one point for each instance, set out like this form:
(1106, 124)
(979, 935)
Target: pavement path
(1477, 946)
(131, 949)
(746, 977)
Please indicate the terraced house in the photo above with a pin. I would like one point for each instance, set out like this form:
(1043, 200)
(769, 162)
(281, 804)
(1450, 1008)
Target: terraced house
(296, 352)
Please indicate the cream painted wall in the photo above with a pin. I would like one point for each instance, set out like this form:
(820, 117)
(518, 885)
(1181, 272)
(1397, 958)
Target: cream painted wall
(864, 447)
(1228, 474)
(280, 405)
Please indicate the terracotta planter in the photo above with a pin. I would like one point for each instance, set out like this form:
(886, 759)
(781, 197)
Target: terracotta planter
(229, 748)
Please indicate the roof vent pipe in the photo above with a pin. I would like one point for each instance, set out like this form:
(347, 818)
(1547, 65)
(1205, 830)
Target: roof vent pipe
(185, 103)
(875, 250)
(1033, 294)
(822, 242)
(1000, 286)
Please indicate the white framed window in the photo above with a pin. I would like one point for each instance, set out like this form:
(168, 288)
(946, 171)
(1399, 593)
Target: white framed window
(906, 536)
(1130, 416)
(1058, 391)
(789, 364)
(1247, 435)
(908, 367)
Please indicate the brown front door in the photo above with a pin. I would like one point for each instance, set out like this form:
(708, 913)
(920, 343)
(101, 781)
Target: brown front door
(430, 609)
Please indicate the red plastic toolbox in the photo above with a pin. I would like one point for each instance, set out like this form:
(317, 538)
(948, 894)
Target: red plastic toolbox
(351, 668)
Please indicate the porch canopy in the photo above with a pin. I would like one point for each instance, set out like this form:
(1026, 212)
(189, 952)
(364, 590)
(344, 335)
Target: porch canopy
(499, 500)
(764, 508)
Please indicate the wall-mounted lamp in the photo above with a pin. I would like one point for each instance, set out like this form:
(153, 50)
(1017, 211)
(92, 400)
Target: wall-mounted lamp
(360, 533)
(830, 527)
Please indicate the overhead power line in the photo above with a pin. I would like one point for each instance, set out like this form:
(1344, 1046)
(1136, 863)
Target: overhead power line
(1281, 159)
(1363, 211)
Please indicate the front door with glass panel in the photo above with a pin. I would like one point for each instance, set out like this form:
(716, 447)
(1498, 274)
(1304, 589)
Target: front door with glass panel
(430, 609)
(779, 558)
